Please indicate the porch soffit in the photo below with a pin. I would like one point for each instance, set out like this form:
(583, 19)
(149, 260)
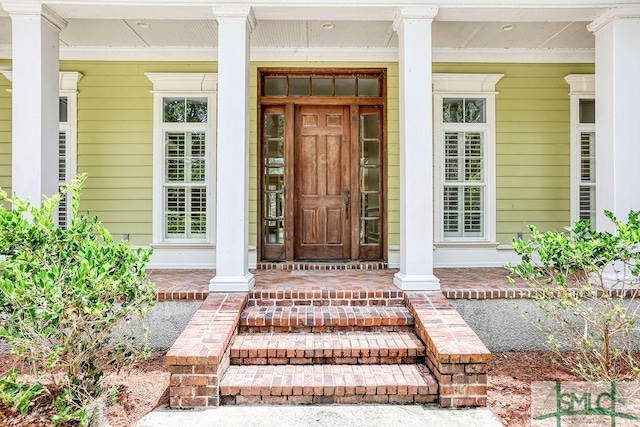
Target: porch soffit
(539, 26)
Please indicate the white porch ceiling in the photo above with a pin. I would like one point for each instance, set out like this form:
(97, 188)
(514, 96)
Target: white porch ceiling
(310, 34)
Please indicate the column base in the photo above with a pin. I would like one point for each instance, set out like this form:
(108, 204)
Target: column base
(232, 283)
(414, 282)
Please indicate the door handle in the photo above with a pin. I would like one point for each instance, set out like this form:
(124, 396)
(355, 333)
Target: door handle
(347, 202)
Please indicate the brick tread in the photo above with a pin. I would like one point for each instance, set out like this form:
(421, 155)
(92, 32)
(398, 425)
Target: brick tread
(280, 319)
(328, 384)
(338, 347)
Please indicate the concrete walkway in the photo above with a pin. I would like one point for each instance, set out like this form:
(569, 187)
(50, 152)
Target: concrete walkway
(317, 415)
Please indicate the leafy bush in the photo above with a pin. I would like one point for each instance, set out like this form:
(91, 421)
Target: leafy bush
(597, 317)
(63, 293)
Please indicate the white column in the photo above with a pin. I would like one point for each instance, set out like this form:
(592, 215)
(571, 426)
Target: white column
(35, 94)
(617, 91)
(416, 150)
(232, 212)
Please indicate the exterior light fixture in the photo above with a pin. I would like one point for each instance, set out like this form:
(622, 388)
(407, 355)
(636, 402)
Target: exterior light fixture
(328, 25)
(508, 27)
(142, 24)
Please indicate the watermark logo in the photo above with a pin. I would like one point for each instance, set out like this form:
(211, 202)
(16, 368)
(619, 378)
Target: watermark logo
(569, 404)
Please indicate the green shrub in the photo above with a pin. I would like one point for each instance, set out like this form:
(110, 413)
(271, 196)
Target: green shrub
(63, 293)
(593, 315)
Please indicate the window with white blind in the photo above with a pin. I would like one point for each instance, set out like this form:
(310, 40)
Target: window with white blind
(66, 163)
(184, 113)
(67, 139)
(464, 147)
(464, 185)
(587, 155)
(583, 147)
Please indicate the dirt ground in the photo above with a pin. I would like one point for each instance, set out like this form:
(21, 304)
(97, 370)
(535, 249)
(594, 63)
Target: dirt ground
(146, 388)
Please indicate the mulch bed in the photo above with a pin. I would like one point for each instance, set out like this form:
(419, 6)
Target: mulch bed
(146, 388)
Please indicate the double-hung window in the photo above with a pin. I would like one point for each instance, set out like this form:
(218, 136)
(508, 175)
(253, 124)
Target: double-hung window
(184, 114)
(464, 138)
(583, 147)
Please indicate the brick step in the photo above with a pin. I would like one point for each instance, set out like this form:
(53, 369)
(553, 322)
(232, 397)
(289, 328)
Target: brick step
(333, 348)
(286, 296)
(326, 319)
(309, 384)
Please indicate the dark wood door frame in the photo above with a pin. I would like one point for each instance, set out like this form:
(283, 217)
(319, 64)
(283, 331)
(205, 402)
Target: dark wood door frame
(288, 106)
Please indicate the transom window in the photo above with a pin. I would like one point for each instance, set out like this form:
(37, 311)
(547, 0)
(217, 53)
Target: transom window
(464, 138)
(183, 157)
(322, 85)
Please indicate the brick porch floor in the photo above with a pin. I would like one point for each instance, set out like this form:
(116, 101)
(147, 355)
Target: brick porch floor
(457, 283)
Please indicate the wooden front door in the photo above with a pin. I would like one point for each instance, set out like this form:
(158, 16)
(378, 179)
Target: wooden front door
(322, 183)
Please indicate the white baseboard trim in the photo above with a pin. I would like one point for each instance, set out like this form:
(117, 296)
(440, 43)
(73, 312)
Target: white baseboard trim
(183, 258)
(472, 257)
(461, 257)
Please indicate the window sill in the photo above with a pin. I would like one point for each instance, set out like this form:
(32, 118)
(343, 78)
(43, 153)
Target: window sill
(183, 245)
(470, 244)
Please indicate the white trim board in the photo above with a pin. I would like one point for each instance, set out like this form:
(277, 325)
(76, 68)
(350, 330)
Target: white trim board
(343, 54)
(183, 257)
(463, 257)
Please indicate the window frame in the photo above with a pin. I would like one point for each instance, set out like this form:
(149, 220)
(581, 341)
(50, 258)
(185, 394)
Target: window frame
(582, 86)
(69, 89)
(187, 85)
(467, 86)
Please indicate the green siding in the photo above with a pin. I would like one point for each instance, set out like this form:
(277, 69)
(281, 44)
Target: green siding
(115, 141)
(5, 131)
(532, 143)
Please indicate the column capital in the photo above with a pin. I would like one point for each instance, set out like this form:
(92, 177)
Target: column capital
(22, 7)
(245, 12)
(427, 13)
(630, 12)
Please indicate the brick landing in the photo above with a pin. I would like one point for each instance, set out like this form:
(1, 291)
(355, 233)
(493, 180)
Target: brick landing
(319, 337)
(457, 283)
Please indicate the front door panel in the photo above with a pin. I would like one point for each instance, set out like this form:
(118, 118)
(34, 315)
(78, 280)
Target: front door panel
(322, 181)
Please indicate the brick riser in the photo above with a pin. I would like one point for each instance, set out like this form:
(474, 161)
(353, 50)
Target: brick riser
(287, 297)
(325, 319)
(349, 348)
(322, 384)
(389, 302)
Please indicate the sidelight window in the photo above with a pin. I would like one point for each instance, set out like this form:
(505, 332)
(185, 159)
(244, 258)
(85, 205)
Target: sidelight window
(370, 176)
